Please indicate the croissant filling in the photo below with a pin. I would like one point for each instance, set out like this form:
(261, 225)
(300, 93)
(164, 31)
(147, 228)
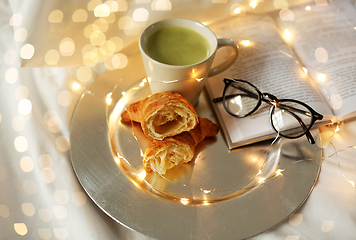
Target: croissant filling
(167, 121)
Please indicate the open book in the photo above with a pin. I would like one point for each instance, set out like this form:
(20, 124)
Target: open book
(306, 53)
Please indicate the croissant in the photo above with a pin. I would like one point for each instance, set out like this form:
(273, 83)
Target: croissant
(162, 115)
(163, 155)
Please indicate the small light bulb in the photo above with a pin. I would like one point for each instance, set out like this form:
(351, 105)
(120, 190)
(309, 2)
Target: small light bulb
(76, 86)
(321, 77)
(305, 70)
(253, 4)
(245, 42)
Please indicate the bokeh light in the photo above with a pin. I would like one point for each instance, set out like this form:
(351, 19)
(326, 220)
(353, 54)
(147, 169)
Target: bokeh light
(27, 51)
(55, 16)
(97, 38)
(140, 15)
(102, 24)
(20, 228)
(321, 55)
(286, 14)
(102, 10)
(279, 4)
(16, 19)
(80, 15)
(161, 5)
(66, 47)
(84, 73)
(52, 57)
(11, 75)
(20, 35)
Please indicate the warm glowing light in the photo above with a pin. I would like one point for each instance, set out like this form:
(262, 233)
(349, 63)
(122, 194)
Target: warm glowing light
(113, 5)
(123, 94)
(143, 82)
(67, 47)
(25, 107)
(352, 183)
(205, 203)
(80, 15)
(321, 77)
(337, 129)
(52, 57)
(199, 79)
(119, 60)
(286, 33)
(102, 10)
(75, 86)
(253, 4)
(140, 15)
(142, 175)
(27, 51)
(108, 98)
(20, 228)
(55, 16)
(206, 191)
(305, 70)
(308, 8)
(237, 10)
(97, 38)
(117, 160)
(261, 180)
(279, 172)
(254, 159)
(184, 201)
(245, 42)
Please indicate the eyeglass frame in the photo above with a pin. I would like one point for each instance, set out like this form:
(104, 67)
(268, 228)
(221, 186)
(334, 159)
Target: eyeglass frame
(274, 102)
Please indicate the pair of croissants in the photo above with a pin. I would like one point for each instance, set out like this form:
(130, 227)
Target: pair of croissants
(173, 124)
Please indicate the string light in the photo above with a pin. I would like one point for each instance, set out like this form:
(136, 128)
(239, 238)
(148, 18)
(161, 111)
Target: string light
(305, 70)
(237, 10)
(245, 42)
(184, 201)
(261, 180)
(321, 77)
(108, 98)
(279, 172)
(209, 194)
(253, 4)
(75, 86)
(142, 174)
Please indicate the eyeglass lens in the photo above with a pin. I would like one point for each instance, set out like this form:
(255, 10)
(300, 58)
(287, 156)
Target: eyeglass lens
(291, 119)
(240, 99)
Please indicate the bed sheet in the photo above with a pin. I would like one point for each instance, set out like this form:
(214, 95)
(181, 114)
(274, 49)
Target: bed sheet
(45, 66)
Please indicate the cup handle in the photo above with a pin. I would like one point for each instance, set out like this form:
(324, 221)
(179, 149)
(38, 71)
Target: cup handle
(224, 42)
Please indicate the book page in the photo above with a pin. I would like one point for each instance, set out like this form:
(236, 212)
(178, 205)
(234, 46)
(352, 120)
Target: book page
(266, 61)
(324, 38)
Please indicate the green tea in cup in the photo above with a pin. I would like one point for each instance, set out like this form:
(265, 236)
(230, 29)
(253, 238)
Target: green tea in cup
(178, 55)
(175, 45)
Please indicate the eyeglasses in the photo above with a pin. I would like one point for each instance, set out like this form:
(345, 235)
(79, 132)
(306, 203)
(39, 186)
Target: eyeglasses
(289, 118)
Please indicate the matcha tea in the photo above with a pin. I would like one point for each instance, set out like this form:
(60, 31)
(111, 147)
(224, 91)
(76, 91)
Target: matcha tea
(177, 46)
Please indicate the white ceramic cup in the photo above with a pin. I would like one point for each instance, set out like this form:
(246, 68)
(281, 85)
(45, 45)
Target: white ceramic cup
(187, 80)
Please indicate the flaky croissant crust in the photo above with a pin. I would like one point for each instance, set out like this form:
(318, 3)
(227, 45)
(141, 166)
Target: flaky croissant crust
(163, 155)
(162, 115)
